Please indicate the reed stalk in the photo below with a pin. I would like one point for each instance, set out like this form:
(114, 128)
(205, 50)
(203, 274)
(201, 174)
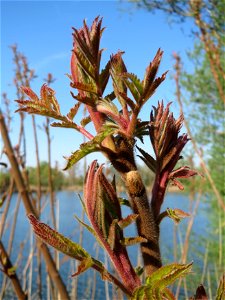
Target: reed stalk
(187, 237)
(53, 273)
(6, 208)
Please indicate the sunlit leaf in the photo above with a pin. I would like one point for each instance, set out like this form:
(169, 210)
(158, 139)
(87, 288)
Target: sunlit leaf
(166, 275)
(136, 83)
(73, 111)
(92, 146)
(104, 76)
(57, 240)
(177, 214)
(87, 87)
(85, 121)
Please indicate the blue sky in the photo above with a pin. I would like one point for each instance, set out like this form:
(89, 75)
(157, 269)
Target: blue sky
(42, 31)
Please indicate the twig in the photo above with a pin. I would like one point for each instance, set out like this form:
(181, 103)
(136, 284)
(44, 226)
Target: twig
(7, 265)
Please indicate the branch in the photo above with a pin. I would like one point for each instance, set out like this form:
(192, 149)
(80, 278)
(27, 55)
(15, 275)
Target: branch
(7, 265)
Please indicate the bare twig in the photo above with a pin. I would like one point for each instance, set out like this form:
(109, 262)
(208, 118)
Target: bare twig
(7, 266)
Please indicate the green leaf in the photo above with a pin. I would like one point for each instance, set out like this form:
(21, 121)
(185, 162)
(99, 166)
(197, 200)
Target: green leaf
(130, 241)
(85, 64)
(87, 87)
(156, 284)
(139, 294)
(110, 97)
(136, 83)
(92, 146)
(177, 214)
(131, 86)
(166, 275)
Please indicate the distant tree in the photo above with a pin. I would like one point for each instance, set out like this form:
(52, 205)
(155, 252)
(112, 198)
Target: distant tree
(58, 176)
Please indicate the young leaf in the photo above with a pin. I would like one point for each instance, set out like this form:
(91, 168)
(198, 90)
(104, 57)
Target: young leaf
(148, 160)
(57, 240)
(166, 275)
(92, 146)
(176, 214)
(134, 85)
(127, 221)
(87, 87)
(130, 241)
(73, 111)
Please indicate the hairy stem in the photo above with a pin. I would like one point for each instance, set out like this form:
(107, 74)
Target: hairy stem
(146, 223)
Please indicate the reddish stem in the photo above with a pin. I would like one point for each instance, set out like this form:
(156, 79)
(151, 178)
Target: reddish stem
(158, 192)
(85, 132)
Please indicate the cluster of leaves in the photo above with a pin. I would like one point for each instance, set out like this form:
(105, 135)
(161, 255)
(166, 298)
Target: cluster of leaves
(116, 132)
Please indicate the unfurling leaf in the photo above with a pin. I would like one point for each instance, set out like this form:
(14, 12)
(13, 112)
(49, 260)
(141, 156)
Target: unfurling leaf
(57, 240)
(104, 212)
(134, 84)
(148, 160)
(92, 146)
(156, 284)
(177, 214)
(182, 172)
(150, 83)
(130, 241)
(47, 105)
(127, 221)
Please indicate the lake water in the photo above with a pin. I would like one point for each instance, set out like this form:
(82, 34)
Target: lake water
(69, 204)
